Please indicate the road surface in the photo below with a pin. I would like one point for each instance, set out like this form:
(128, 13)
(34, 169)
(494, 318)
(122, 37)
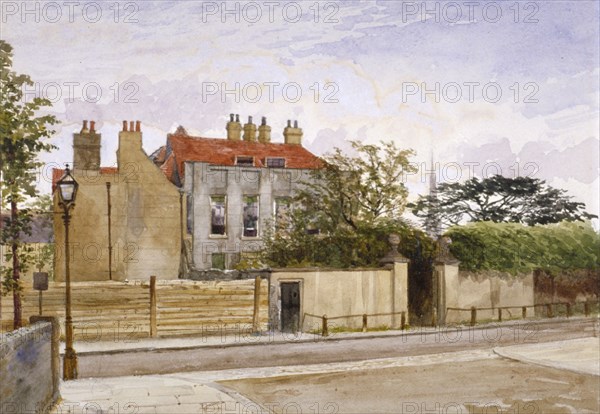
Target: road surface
(206, 358)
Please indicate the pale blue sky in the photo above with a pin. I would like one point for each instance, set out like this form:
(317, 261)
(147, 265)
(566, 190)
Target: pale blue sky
(373, 57)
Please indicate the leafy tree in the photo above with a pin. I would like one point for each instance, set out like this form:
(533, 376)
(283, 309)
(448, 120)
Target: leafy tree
(22, 139)
(362, 188)
(345, 211)
(499, 199)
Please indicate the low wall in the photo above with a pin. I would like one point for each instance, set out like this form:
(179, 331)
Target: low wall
(344, 292)
(487, 289)
(119, 311)
(29, 369)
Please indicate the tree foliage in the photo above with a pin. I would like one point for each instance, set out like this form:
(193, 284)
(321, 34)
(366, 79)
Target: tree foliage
(499, 199)
(515, 248)
(22, 138)
(345, 212)
(360, 189)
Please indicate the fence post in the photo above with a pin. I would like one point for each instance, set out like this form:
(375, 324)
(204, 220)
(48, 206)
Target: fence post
(499, 314)
(403, 321)
(524, 311)
(586, 308)
(434, 317)
(325, 330)
(549, 310)
(256, 314)
(473, 315)
(568, 310)
(153, 332)
(364, 327)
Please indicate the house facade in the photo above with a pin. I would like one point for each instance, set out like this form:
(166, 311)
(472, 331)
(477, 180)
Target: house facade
(234, 186)
(127, 222)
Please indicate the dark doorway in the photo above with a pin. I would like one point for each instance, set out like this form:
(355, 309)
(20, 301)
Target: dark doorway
(290, 307)
(421, 288)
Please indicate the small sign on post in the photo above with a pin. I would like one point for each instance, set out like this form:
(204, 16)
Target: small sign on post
(40, 283)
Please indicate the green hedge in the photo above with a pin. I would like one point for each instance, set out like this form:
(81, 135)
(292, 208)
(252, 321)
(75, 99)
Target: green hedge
(515, 248)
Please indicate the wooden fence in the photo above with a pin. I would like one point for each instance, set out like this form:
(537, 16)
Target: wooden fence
(118, 311)
(549, 310)
(365, 320)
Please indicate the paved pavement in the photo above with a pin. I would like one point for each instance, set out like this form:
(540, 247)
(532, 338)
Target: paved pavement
(577, 355)
(200, 392)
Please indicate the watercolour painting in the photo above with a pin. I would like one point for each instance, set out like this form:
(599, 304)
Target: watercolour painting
(310, 206)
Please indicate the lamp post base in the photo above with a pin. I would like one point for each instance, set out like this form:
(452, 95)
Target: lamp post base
(69, 364)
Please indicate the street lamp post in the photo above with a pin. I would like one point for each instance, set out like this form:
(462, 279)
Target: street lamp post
(67, 191)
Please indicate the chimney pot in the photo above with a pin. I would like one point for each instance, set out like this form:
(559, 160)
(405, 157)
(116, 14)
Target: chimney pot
(289, 124)
(249, 119)
(92, 126)
(124, 126)
(84, 128)
(131, 126)
(138, 126)
(237, 117)
(295, 124)
(264, 120)
(230, 117)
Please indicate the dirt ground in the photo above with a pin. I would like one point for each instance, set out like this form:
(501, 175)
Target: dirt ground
(485, 386)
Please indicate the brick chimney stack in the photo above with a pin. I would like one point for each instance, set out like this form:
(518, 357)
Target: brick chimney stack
(86, 148)
(292, 135)
(234, 128)
(250, 131)
(264, 132)
(130, 141)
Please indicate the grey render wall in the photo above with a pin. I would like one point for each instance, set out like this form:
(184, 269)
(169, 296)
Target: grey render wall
(27, 379)
(203, 181)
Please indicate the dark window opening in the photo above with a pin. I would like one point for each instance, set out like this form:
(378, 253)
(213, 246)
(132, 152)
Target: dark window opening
(276, 162)
(190, 213)
(250, 216)
(244, 161)
(218, 211)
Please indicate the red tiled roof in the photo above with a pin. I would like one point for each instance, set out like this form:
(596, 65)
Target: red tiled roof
(58, 172)
(218, 151)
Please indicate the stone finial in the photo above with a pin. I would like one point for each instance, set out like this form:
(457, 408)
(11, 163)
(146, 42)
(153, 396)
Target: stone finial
(443, 254)
(393, 255)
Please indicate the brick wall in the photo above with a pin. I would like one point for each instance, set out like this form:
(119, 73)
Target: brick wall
(28, 368)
